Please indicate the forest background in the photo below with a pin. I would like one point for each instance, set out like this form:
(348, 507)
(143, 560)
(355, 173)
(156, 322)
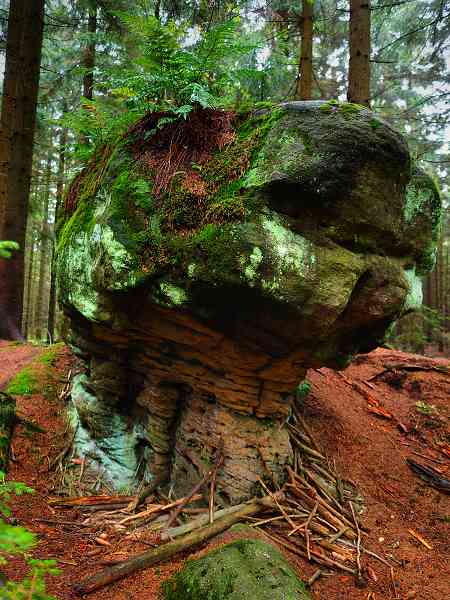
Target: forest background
(105, 63)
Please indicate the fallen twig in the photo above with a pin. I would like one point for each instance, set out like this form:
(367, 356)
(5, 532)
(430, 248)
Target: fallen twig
(420, 539)
(195, 489)
(168, 550)
(160, 508)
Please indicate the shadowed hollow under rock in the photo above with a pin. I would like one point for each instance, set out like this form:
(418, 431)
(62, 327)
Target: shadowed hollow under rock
(294, 241)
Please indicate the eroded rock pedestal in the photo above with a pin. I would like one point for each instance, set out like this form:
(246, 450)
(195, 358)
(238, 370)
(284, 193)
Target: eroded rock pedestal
(205, 266)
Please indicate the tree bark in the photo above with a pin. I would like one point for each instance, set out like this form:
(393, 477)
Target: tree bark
(7, 423)
(46, 238)
(29, 270)
(359, 45)
(89, 55)
(9, 99)
(17, 152)
(63, 138)
(304, 81)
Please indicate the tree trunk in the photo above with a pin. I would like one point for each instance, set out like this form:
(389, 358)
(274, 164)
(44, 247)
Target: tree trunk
(42, 297)
(359, 45)
(7, 423)
(9, 99)
(89, 55)
(29, 254)
(304, 81)
(59, 201)
(17, 160)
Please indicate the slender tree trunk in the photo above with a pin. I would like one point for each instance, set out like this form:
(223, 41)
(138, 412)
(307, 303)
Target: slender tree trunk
(59, 201)
(28, 16)
(304, 81)
(29, 257)
(359, 44)
(42, 295)
(89, 55)
(441, 283)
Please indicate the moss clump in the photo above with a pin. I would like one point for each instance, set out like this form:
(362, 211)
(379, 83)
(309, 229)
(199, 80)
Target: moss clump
(347, 109)
(23, 384)
(49, 357)
(243, 570)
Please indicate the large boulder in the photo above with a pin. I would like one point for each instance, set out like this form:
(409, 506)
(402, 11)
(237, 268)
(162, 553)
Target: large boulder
(205, 264)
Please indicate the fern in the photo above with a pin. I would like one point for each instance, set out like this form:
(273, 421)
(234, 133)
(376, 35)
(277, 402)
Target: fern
(172, 72)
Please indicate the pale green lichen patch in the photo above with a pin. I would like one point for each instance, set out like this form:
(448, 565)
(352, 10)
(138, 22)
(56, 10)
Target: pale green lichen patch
(102, 434)
(173, 294)
(415, 295)
(250, 264)
(290, 251)
(416, 201)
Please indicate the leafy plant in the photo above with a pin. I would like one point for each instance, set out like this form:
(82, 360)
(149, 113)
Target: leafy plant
(177, 75)
(425, 408)
(176, 70)
(6, 249)
(18, 540)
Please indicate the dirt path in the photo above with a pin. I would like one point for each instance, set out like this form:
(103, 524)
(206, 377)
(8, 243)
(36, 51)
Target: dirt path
(369, 450)
(13, 357)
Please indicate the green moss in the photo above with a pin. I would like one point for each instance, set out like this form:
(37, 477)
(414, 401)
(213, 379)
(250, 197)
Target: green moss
(347, 109)
(49, 356)
(23, 384)
(243, 570)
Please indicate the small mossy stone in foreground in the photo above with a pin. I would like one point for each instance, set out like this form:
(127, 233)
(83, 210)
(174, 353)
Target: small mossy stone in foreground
(244, 569)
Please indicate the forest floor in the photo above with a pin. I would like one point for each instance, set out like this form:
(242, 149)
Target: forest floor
(370, 450)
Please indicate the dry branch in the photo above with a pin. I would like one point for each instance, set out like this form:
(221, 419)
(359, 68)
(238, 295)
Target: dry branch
(161, 553)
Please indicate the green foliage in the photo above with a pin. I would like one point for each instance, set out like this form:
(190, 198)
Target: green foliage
(49, 357)
(303, 389)
(23, 384)
(169, 73)
(178, 76)
(6, 249)
(18, 540)
(425, 408)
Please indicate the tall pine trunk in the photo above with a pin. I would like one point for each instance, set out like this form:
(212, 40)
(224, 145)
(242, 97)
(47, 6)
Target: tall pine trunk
(359, 45)
(59, 201)
(89, 55)
(304, 81)
(26, 24)
(46, 237)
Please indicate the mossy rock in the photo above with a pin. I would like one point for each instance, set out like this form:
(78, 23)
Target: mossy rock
(304, 231)
(242, 570)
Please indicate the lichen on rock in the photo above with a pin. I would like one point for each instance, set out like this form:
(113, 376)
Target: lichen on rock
(221, 257)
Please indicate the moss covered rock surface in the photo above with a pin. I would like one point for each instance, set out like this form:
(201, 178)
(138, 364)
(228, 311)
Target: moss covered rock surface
(205, 264)
(243, 570)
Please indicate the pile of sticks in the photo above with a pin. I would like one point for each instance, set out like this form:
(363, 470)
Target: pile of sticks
(318, 518)
(316, 515)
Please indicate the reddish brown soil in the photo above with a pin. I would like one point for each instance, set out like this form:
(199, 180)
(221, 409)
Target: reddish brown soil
(13, 358)
(369, 450)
